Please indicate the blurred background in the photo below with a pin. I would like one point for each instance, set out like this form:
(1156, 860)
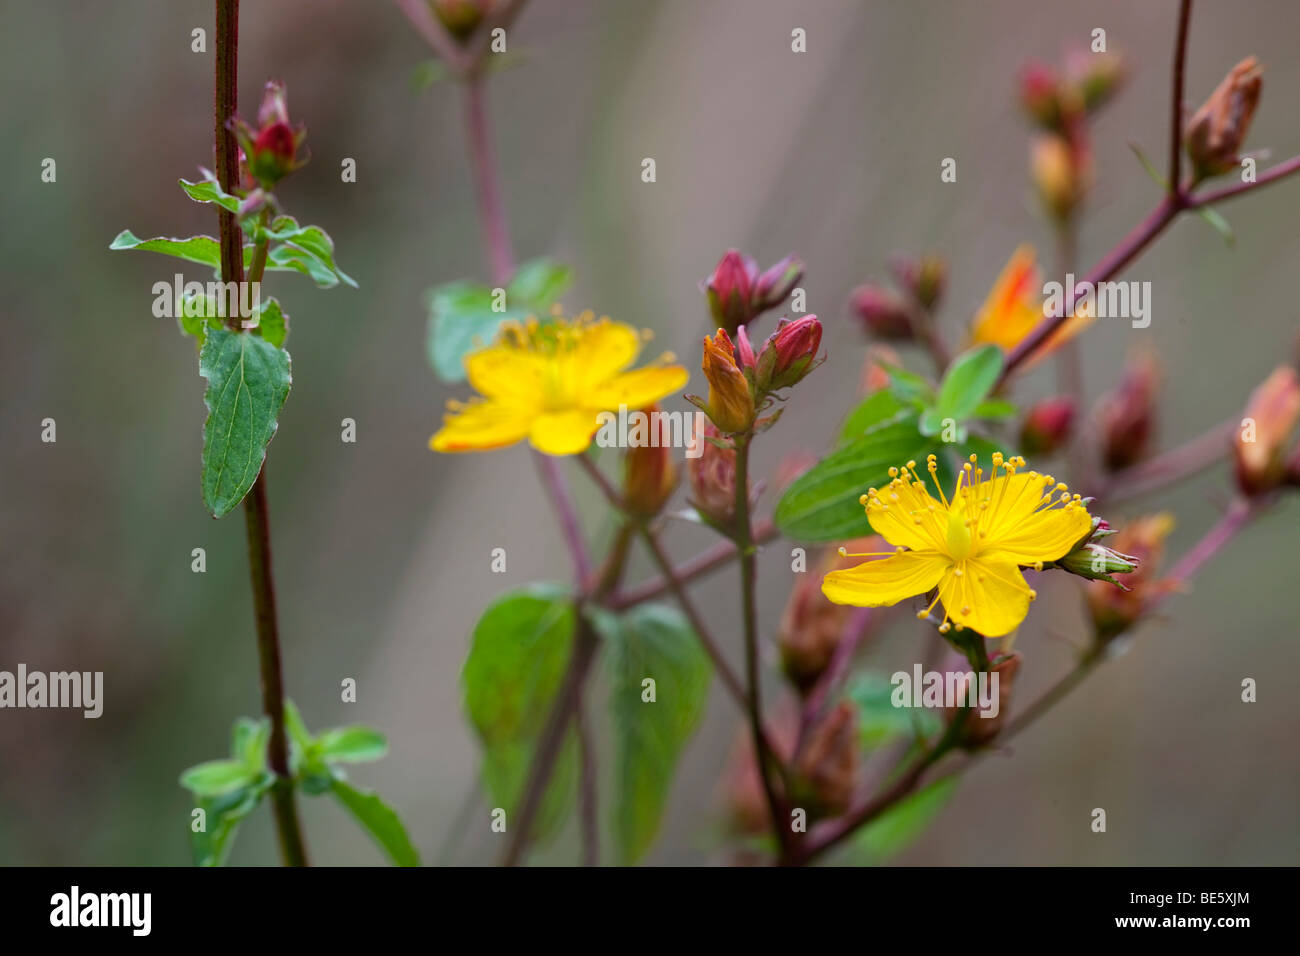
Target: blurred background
(382, 547)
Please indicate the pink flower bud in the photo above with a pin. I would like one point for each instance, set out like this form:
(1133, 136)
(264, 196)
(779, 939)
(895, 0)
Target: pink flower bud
(1127, 415)
(794, 346)
(883, 314)
(744, 350)
(730, 290)
(1047, 426)
(776, 283)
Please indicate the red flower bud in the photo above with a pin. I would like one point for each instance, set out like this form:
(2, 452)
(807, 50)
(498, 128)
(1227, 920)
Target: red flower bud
(1047, 426)
(1215, 133)
(776, 283)
(271, 153)
(1039, 94)
(923, 277)
(883, 314)
(1127, 415)
(1261, 440)
(649, 476)
(738, 294)
(713, 480)
(794, 348)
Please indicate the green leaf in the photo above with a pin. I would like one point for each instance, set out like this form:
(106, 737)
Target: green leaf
(380, 821)
(1218, 224)
(216, 777)
(461, 317)
(995, 409)
(656, 642)
(898, 827)
(1150, 169)
(248, 743)
(538, 283)
(221, 818)
(908, 387)
(879, 721)
(822, 503)
(209, 191)
(352, 744)
(299, 735)
(966, 384)
(874, 410)
(519, 652)
(248, 380)
(272, 324)
(201, 249)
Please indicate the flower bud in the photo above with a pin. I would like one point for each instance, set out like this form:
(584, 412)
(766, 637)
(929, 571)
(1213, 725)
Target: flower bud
(923, 277)
(1060, 170)
(828, 764)
(1047, 426)
(271, 152)
(731, 402)
(461, 17)
(1098, 75)
(713, 480)
(1040, 95)
(1214, 134)
(812, 626)
(1115, 608)
(980, 730)
(883, 313)
(738, 293)
(730, 290)
(1127, 415)
(875, 369)
(649, 476)
(776, 283)
(789, 354)
(1097, 562)
(1260, 443)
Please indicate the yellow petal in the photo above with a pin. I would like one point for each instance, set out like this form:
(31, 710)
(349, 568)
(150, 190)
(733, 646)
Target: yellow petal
(507, 373)
(1045, 536)
(567, 432)
(886, 581)
(1006, 501)
(895, 518)
(639, 388)
(990, 597)
(481, 426)
(604, 349)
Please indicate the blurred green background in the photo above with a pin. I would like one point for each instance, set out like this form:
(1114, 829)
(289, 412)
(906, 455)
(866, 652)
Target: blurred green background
(382, 548)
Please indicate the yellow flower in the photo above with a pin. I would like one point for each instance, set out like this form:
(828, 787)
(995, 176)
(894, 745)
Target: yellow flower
(548, 383)
(970, 547)
(1015, 306)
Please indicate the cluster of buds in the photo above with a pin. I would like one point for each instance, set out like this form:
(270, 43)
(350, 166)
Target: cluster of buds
(1115, 609)
(892, 316)
(1260, 444)
(649, 475)
(1127, 416)
(738, 292)
(742, 381)
(1047, 426)
(461, 18)
(271, 152)
(1214, 134)
(1059, 103)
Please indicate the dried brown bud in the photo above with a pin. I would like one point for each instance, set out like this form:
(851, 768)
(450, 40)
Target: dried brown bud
(1216, 131)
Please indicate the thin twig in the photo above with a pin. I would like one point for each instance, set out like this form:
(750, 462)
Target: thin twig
(711, 559)
(1188, 459)
(1176, 106)
(562, 502)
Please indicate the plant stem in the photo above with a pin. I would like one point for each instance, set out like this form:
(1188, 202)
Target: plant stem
(557, 490)
(1271, 175)
(1176, 106)
(587, 789)
(491, 212)
(567, 700)
(1171, 466)
(703, 563)
(256, 511)
(745, 547)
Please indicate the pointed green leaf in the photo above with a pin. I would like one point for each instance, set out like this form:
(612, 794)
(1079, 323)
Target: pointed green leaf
(351, 744)
(201, 249)
(221, 818)
(967, 382)
(650, 642)
(875, 410)
(1218, 224)
(248, 380)
(271, 323)
(209, 191)
(380, 821)
(215, 777)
